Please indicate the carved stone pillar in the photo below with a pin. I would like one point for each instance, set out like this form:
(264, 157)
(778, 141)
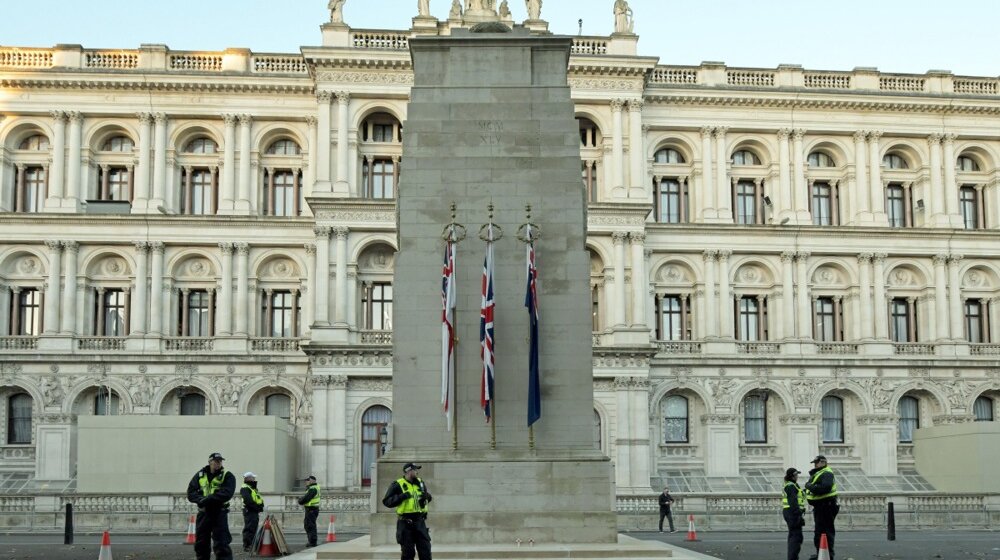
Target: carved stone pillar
(799, 187)
(342, 188)
(802, 293)
(725, 300)
(318, 447)
(139, 296)
(227, 202)
(57, 176)
(876, 190)
(323, 128)
(71, 249)
(309, 171)
(707, 186)
(860, 194)
(636, 146)
(159, 160)
(935, 214)
(322, 275)
(942, 324)
(140, 200)
(337, 430)
(246, 178)
(787, 294)
(617, 147)
(242, 289)
(711, 316)
(340, 304)
(957, 312)
(640, 283)
(618, 306)
(865, 295)
(224, 319)
(881, 305)
(785, 199)
(52, 289)
(722, 189)
(309, 305)
(74, 172)
(156, 289)
(950, 183)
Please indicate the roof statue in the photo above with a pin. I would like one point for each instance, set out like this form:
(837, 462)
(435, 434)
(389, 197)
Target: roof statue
(456, 10)
(624, 19)
(336, 8)
(534, 9)
(423, 8)
(504, 10)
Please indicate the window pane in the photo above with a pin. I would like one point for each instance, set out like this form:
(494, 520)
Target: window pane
(672, 321)
(969, 204)
(372, 422)
(983, 409)
(278, 405)
(749, 310)
(833, 419)
(755, 419)
(746, 203)
(909, 418)
(900, 320)
(193, 405)
(30, 316)
(19, 419)
(670, 202)
(894, 206)
(675, 414)
(974, 321)
(821, 207)
(101, 403)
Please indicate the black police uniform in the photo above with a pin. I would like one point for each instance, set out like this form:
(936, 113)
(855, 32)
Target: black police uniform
(825, 510)
(794, 518)
(311, 514)
(212, 523)
(411, 528)
(251, 514)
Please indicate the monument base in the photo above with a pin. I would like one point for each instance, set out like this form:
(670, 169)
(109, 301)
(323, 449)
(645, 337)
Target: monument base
(623, 548)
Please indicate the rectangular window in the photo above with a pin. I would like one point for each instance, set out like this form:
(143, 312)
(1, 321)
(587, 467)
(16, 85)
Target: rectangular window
(106, 404)
(902, 320)
(747, 203)
(197, 313)
(589, 175)
(970, 206)
(755, 419)
(377, 304)
(674, 314)
(825, 204)
(379, 178)
(26, 314)
(828, 320)
(897, 206)
(595, 307)
(280, 312)
(976, 330)
(114, 183)
(671, 202)
(198, 196)
(382, 133)
(281, 193)
(111, 313)
(31, 186)
(833, 419)
(751, 318)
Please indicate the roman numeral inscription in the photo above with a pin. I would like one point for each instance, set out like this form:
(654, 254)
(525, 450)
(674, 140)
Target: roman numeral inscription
(490, 133)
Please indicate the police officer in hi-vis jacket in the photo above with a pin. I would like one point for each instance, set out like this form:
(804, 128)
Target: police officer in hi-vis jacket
(409, 495)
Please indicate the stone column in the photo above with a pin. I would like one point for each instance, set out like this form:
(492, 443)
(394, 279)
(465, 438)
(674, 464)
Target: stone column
(159, 160)
(876, 190)
(622, 436)
(993, 333)
(342, 188)
(57, 174)
(957, 312)
(799, 186)
(640, 283)
(860, 195)
(865, 295)
(140, 201)
(319, 458)
(309, 174)
(881, 311)
(725, 300)
(941, 296)
(639, 421)
(246, 179)
(707, 186)
(324, 126)
(139, 296)
(636, 146)
(802, 292)
(224, 319)
(156, 289)
(711, 316)
(71, 249)
(950, 183)
(227, 202)
(618, 238)
(52, 289)
(340, 303)
(786, 204)
(617, 147)
(723, 191)
(74, 173)
(352, 297)
(6, 308)
(309, 303)
(935, 215)
(337, 431)
(787, 294)
(242, 288)
(322, 293)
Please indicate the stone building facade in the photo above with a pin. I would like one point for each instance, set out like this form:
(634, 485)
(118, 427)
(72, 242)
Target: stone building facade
(783, 260)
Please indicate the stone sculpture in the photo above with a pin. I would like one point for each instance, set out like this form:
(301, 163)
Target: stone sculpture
(336, 10)
(624, 19)
(504, 10)
(423, 8)
(456, 10)
(534, 9)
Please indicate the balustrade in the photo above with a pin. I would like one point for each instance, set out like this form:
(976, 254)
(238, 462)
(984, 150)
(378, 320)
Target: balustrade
(984, 349)
(977, 86)
(279, 64)
(187, 344)
(758, 347)
(196, 62)
(111, 60)
(665, 75)
(102, 343)
(13, 57)
(836, 348)
(589, 45)
(380, 40)
(827, 80)
(753, 78)
(274, 344)
(18, 342)
(913, 349)
(912, 84)
(376, 337)
(679, 347)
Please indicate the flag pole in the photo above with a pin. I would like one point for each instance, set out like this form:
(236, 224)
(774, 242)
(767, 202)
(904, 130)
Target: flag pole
(453, 234)
(489, 233)
(527, 233)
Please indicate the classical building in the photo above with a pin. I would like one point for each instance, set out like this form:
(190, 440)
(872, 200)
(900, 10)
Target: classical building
(784, 261)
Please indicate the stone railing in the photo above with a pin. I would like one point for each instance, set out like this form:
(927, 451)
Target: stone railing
(13, 57)
(904, 452)
(17, 453)
(274, 344)
(910, 84)
(762, 451)
(752, 78)
(195, 62)
(758, 347)
(836, 348)
(187, 344)
(678, 450)
(18, 342)
(977, 86)
(380, 40)
(984, 349)
(913, 349)
(742, 504)
(376, 337)
(663, 75)
(17, 503)
(278, 64)
(111, 60)
(589, 45)
(678, 347)
(836, 450)
(826, 80)
(101, 343)
(598, 339)
(356, 501)
(107, 502)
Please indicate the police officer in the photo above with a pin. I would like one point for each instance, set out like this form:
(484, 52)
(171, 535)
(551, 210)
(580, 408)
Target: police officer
(409, 495)
(821, 492)
(211, 488)
(253, 504)
(793, 504)
(310, 501)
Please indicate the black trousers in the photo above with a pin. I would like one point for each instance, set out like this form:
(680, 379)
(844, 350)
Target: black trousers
(413, 537)
(795, 537)
(309, 523)
(249, 527)
(665, 512)
(824, 514)
(212, 528)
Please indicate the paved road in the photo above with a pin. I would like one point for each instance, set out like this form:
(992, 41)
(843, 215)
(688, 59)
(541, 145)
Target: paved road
(856, 545)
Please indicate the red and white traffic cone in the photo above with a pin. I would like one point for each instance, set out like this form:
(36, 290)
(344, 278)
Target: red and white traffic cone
(824, 548)
(267, 547)
(105, 553)
(692, 535)
(331, 533)
(190, 536)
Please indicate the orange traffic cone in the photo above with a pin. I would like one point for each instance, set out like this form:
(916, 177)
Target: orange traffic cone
(692, 535)
(824, 548)
(190, 536)
(105, 547)
(267, 547)
(331, 533)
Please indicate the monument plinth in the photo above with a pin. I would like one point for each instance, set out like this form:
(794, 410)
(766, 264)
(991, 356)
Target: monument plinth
(491, 120)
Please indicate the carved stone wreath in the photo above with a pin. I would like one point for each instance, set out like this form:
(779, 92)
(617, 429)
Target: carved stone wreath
(113, 266)
(902, 277)
(28, 265)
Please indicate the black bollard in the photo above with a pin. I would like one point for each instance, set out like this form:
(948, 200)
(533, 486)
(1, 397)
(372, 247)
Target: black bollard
(68, 535)
(892, 522)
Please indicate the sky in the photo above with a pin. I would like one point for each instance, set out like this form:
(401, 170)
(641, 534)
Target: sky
(910, 36)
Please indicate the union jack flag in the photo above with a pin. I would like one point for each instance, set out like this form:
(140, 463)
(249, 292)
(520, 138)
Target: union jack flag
(448, 297)
(531, 302)
(486, 340)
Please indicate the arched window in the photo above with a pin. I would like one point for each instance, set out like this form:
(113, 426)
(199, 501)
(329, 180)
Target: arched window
(35, 143)
(833, 419)
(19, 419)
(374, 424)
(755, 418)
(675, 419)
(118, 144)
(589, 133)
(909, 418)
(983, 409)
(598, 437)
(966, 163)
(106, 402)
(745, 157)
(201, 145)
(278, 405)
(669, 156)
(894, 161)
(381, 127)
(192, 404)
(821, 159)
(284, 147)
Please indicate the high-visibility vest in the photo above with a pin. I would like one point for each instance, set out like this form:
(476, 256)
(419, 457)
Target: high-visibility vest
(798, 491)
(411, 505)
(253, 494)
(210, 486)
(815, 477)
(314, 502)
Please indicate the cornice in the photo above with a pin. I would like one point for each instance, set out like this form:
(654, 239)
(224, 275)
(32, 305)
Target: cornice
(157, 83)
(140, 219)
(603, 214)
(793, 100)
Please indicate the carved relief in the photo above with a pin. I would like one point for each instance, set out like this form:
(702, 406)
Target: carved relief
(196, 267)
(53, 391)
(902, 277)
(722, 390)
(977, 279)
(281, 268)
(879, 390)
(672, 274)
(803, 392)
(826, 276)
(390, 78)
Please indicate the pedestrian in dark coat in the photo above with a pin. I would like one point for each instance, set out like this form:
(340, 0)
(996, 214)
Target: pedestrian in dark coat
(666, 500)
